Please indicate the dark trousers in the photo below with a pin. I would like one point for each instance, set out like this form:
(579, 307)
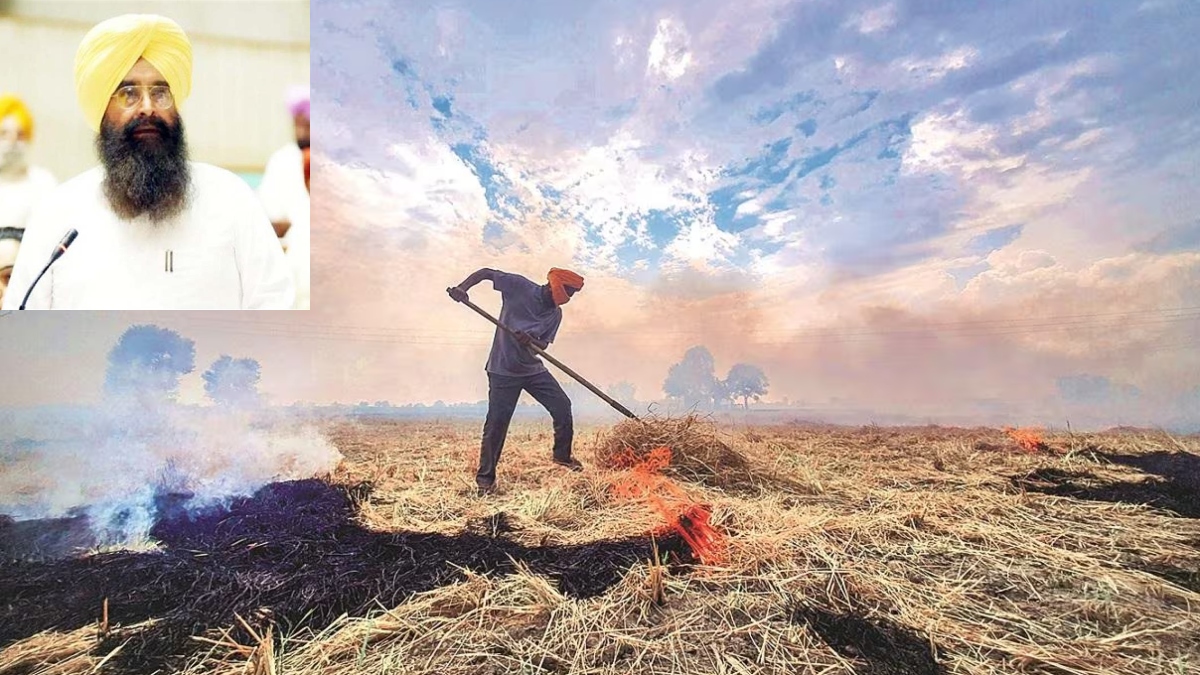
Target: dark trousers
(503, 393)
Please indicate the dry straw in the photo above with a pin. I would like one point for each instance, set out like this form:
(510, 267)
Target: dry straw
(924, 550)
(698, 454)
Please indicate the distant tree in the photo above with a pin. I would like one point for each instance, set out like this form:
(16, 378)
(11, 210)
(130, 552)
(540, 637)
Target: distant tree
(147, 363)
(746, 382)
(721, 393)
(233, 382)
(692, 379)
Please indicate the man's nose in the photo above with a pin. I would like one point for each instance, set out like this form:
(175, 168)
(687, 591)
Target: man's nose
(145, 106)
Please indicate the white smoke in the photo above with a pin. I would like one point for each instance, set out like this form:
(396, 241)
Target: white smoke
(117, 462)
(116, 466)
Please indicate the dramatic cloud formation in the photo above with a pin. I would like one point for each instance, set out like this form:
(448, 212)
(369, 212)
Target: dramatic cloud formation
(906, 205)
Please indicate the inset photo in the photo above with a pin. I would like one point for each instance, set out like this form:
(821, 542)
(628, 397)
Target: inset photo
(153, 155)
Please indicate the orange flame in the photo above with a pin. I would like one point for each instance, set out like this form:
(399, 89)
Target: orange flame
(646, 483)
(1028, 438)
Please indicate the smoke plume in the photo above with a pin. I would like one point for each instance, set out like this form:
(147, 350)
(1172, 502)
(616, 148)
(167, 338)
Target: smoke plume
(120, 465)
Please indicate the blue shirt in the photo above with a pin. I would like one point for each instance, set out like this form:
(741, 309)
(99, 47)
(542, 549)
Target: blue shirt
(524, 307)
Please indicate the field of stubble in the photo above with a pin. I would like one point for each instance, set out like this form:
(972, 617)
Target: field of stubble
(859, 550)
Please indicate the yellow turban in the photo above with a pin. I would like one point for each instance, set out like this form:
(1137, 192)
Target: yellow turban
(11, 105)
(112, 47)
(559, 279)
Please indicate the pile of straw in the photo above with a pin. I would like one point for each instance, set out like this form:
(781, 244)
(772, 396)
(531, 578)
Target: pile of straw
(697, 454)
(695, 448)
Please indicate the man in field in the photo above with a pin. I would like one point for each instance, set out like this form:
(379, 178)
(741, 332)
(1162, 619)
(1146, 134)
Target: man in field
(156, 230)
(534, 313)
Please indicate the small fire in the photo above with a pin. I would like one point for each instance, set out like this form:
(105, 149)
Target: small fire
(1029, 438)
(646, 483)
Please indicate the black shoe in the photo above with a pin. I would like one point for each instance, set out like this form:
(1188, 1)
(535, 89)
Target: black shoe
(572, 464)
(484, 490)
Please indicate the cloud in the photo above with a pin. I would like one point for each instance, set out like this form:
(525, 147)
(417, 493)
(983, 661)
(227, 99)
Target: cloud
(897, 204)
(1184, 237)
(668, 55)
(854, 166)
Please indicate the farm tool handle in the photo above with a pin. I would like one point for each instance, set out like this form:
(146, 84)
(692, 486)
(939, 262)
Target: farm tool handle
(541, 352)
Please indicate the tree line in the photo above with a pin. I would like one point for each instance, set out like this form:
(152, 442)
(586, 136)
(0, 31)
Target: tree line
(694, 381)
(148, 362)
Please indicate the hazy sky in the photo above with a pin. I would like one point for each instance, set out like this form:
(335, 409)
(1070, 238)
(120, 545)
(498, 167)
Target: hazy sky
(928, 205)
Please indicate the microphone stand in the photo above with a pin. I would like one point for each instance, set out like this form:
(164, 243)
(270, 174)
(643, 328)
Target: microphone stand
(61, 249)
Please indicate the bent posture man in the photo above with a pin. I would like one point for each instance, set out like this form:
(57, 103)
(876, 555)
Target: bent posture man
(534, 313)
(156, 231)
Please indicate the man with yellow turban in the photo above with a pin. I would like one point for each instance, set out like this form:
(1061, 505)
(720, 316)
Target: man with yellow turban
(21, 185)
(155, 229)
(534, 313)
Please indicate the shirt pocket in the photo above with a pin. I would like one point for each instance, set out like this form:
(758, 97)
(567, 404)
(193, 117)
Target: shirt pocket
(200, 276)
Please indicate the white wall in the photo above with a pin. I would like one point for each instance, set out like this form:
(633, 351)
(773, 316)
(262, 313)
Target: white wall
(245, 56)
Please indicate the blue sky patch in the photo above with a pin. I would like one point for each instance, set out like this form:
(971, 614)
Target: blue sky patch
(993, 240)
(725, 202)
(767, 166)
(493, 232)
(664, 225)
(442, 105)
(496, 188)
(768, 114)
(962, 275)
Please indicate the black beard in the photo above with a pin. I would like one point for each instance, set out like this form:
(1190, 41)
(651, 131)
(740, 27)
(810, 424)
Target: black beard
(144, 176)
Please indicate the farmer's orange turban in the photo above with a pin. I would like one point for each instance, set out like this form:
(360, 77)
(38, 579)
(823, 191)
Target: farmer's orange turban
(559, 280)
(112, 47)
(11, 105)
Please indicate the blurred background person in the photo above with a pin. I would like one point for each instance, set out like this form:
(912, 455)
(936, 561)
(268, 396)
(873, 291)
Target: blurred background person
(21, 183)
(283, 189)
(298, 249)
(8, 257)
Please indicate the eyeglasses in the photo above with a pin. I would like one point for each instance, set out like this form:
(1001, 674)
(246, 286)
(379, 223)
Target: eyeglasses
(130, 96)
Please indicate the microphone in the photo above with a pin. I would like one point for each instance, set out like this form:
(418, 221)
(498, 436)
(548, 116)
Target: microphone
(58, 251)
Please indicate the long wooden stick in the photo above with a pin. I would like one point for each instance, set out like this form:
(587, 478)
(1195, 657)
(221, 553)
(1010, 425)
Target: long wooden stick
(541, 352)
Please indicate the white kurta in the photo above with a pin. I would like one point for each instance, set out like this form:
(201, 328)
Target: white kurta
(220, 253)
(282, 188)
(299, 252)
(17, 197)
